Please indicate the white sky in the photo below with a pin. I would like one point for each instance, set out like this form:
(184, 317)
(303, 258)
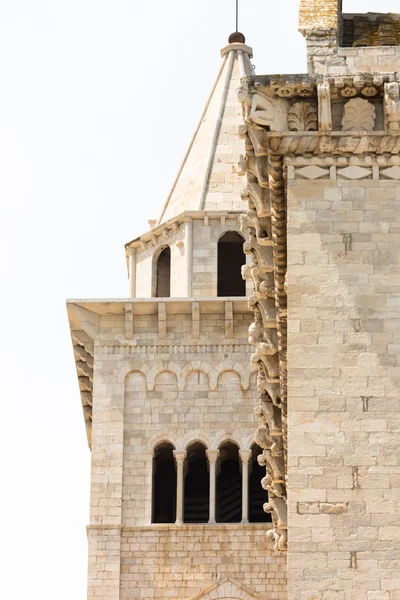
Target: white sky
(99, 100)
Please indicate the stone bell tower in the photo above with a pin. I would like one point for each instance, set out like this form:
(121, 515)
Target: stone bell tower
(168, 386)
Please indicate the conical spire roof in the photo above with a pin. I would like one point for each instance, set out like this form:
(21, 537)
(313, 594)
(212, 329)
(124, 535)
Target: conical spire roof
(207, 178)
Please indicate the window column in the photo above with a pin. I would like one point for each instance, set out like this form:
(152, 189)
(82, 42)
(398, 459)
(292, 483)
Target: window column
(180, 459)
(245, 456)
(212, 456)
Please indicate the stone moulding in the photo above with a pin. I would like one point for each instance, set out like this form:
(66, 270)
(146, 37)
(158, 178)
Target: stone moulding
(335, 143)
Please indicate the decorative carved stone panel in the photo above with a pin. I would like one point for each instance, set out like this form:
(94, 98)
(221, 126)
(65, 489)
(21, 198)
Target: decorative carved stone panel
(359, 115)
(302, 116)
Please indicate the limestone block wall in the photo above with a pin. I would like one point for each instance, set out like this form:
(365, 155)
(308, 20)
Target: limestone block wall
(343, 378)
(178, 562)
(326, 58)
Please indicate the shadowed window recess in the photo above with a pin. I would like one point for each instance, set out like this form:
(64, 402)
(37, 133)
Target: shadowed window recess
(163, 274)
(164, 484)
(197, 485)
(231, 258)
(257, 495)
(229, 485)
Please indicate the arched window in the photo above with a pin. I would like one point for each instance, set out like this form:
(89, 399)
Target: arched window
(229, 485)
(164, 485)
(163, 274)
(197, 485)
(231, 258)
(257, 496)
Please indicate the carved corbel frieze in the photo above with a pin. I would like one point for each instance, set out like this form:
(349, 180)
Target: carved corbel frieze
(266, 244)
(83, 347)
(256, 139)
(262, 255)
(258, 196)
(260, 226)
(256, 165)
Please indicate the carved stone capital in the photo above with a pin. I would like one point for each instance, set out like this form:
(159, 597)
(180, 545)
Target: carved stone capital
(245, 455)
(180, 456)
(212, 456)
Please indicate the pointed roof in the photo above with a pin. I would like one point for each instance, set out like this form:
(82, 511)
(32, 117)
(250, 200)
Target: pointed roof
(207, 178)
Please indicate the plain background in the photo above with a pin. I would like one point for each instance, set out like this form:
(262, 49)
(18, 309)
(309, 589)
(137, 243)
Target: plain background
(98, 101)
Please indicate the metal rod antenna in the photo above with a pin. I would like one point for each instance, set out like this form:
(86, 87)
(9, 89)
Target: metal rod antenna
(237, 15)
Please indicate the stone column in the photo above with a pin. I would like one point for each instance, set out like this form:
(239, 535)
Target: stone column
(180, 459)
(245, 456)
(212, 456)
(132, 271)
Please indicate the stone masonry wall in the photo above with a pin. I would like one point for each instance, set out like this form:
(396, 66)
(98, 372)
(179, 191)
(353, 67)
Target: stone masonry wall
(344, 375)
(194, 257)
(326, 59)
(180, 389)
(177, 562)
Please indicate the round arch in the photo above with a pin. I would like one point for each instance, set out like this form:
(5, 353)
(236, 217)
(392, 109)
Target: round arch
(231, 258)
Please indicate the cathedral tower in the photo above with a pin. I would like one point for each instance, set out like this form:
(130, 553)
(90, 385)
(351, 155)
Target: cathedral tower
(326, 145)
(168, 387)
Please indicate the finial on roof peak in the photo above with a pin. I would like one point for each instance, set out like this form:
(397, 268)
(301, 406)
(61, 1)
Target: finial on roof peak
(236, 37)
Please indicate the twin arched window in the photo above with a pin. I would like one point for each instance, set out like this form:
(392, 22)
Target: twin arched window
(229, 278)
(199, 486)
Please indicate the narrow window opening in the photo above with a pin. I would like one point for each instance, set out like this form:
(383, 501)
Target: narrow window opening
(229, 485)
(231, 258)
(164, 485)
(257, 495)
(163, 275)
(197, 486)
